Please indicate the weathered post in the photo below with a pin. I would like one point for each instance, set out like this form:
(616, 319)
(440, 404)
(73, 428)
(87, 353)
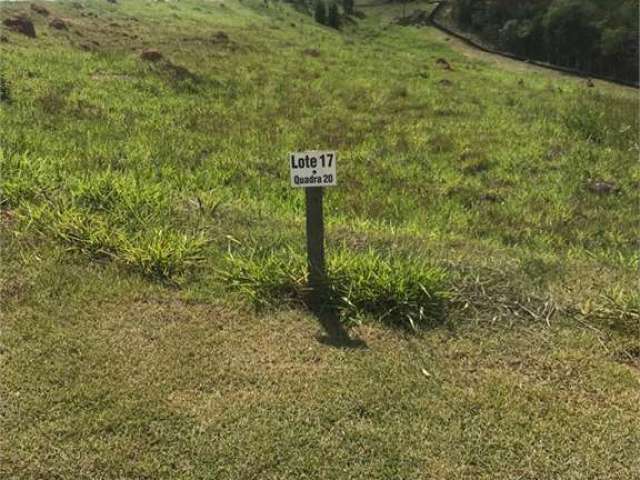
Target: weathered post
(313, 171)
(315, 242)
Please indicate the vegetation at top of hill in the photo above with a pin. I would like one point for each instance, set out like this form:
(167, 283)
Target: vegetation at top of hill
(595, 36)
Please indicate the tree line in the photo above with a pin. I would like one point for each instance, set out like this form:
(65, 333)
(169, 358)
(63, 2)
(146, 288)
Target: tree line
(595, 36)
(330, 16)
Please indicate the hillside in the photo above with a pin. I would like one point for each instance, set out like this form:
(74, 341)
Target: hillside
(482, 244)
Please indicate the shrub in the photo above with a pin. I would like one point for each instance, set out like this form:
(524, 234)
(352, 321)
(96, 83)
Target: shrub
(321, 12)
(333, 18)
(347, 6)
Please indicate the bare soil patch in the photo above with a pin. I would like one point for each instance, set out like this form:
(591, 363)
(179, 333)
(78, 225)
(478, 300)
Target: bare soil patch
(21, 24)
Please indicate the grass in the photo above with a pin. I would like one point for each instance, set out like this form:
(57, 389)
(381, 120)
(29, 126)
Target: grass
(128, 186)
(148, 383)
(406, 293)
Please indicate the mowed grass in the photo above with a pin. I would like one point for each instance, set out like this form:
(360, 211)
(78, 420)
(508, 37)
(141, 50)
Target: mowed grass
(139, 382)
(133, 190)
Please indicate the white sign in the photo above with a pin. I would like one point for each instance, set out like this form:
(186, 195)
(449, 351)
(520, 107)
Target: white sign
(313, 169)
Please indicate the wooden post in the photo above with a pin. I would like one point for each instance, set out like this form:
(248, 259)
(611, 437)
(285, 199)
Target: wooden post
(315, 243)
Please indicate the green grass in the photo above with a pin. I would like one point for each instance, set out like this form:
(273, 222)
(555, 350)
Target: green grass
(405, 293)
(145, 206)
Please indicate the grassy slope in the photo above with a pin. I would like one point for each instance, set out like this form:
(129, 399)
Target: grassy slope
(109, 374)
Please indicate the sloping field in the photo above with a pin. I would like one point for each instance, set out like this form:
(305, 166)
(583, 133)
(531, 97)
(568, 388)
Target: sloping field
(152, 265)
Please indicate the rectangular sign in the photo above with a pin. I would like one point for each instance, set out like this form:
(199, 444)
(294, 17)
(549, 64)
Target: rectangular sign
(313, 169)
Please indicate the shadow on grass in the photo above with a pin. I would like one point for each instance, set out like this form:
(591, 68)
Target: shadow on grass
(335, 334)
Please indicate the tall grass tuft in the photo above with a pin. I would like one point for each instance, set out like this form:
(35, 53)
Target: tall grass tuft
(268, 280)
(405, 293)
(618, 309)
(163, 254)
(5, 89)
(86, 234)
(160, 254)
(602, 119)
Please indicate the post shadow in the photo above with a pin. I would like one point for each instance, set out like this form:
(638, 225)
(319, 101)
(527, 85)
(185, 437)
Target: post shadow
(335, 334)
(319, 298)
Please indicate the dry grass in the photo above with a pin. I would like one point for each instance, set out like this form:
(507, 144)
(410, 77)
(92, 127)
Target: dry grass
(142, 382)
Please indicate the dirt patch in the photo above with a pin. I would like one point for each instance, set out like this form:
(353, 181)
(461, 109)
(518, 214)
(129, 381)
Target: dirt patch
(40, 9)
(475, 167)
(21, 24)
(444, 64)
(311, 52)
(7, 216)
(178, 72)
(220, 37)
(602, 187)
(174, 74)
(58, 24)
(89, 46)
(490, 197)
(151, 55)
